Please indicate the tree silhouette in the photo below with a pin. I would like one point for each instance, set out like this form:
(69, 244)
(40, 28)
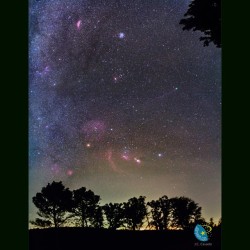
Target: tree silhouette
(135, 211)
(205, 16)
(219, 222)
(217, 226)
(57, 204)
(185, 212)
(41, 223)
(165, 208)
(160, 210)
(114, 214)
(211, 222)
(54, 202)
(156, 214)
(97, 219)
(86, 207)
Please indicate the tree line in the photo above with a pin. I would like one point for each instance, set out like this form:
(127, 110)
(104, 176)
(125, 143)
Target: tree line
(58, 206)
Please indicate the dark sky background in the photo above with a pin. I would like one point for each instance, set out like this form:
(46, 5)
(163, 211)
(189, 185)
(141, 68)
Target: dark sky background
(123, 102)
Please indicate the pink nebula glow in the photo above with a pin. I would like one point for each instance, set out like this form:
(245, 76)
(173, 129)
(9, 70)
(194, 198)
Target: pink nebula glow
(111, 161)
(78, 24)
(70, 172)
(125, 157)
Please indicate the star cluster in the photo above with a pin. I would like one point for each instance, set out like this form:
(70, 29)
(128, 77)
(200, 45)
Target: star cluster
(122, 101)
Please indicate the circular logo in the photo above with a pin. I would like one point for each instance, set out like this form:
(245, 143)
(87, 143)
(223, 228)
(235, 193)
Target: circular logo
(201, 233)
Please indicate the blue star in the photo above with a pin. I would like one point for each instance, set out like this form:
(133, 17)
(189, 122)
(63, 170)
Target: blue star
(121, 35)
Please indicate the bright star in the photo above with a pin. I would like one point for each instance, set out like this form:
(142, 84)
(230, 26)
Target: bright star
(121, 35)
(137, 160)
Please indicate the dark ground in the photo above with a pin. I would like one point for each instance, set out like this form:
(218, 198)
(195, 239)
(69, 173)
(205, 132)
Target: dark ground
(78, 238)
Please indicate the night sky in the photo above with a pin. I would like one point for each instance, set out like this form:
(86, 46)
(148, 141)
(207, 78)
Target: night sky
(123, 102)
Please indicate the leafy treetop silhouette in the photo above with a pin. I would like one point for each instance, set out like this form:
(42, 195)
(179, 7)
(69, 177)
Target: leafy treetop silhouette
(160, 210)
(86, 207)
(185, 212)
(157, 221)
(97, 219)
(205, 16)
(114, 214)
(135, 211)
(53, 203)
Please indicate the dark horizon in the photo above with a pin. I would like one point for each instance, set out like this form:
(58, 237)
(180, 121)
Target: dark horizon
(66, 238)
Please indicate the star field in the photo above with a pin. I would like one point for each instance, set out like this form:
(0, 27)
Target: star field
(123, 101)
